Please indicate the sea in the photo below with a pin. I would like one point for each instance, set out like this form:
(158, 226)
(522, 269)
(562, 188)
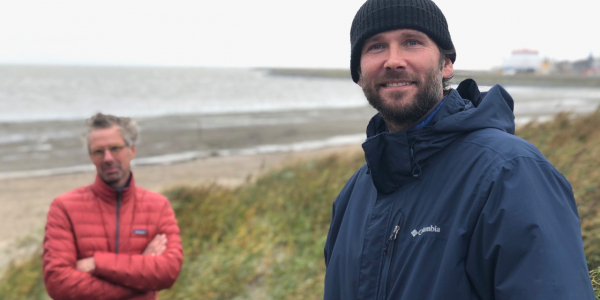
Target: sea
(194, 113)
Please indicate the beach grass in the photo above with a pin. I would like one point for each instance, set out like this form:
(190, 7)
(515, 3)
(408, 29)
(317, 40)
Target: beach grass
(264, 240)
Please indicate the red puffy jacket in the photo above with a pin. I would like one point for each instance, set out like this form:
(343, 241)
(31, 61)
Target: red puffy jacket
(115, 228)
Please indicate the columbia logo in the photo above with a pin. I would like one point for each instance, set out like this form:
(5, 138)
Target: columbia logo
(425, 229)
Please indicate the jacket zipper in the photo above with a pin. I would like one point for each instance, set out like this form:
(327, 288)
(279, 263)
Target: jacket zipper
(416, 170)
(388, 251)
(118, 208)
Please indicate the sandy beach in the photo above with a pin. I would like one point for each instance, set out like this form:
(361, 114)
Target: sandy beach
(26, 200)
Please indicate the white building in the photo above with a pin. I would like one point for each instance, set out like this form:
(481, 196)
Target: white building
(522, 61)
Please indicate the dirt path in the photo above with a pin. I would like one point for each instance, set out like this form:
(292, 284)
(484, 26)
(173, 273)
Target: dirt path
(25, 201)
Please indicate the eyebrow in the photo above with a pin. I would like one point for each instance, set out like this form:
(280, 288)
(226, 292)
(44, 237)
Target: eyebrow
(373, 39)
(414, 35)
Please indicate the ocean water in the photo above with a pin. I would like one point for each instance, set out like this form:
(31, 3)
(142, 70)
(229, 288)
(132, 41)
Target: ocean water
(30, 93)
(192, 113)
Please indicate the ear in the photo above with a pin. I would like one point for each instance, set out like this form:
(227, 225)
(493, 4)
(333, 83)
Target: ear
(359, 82)
(448, 68)
(132, 151)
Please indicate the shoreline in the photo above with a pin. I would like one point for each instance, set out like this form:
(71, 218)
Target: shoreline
(165, 143)
(183, 157)
(57, 147)
(482, 77)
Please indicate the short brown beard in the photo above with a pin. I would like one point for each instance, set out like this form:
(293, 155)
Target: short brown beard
(402, 118)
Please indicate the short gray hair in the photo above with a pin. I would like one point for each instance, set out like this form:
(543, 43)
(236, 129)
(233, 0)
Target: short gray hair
(127, 126)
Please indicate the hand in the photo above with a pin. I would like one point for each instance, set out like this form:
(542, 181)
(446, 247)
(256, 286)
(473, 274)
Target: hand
(157, 246)
(86, 265)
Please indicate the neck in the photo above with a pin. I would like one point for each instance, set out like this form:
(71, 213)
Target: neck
(394, 127)
(119, 185)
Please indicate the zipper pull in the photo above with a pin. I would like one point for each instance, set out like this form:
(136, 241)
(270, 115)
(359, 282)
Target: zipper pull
(392, 237)
(396, 230)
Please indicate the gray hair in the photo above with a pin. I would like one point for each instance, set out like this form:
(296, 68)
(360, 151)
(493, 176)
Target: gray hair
(127, 126)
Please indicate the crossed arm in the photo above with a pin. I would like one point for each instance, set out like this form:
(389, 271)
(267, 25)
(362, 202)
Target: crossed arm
(157, 246)
(146, 272)
(108, 275)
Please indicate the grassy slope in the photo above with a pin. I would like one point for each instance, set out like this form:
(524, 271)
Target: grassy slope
(265, 239)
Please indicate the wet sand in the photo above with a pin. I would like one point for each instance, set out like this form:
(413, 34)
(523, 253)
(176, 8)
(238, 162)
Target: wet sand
(50, 145)
(26, 200)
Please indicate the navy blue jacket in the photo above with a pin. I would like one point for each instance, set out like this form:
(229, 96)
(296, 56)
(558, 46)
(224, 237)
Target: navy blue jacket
(459, 209)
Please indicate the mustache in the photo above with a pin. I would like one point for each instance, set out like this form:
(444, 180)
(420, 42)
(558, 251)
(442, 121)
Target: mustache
(110, 164)
(395, 75)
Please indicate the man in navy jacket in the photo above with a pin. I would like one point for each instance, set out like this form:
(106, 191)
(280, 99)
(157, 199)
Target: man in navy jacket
(450, 205)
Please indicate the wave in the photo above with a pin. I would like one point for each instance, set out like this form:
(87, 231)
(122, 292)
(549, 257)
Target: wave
(167, 159)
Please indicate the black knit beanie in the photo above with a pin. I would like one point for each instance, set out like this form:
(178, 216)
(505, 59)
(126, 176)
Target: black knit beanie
(376, 16)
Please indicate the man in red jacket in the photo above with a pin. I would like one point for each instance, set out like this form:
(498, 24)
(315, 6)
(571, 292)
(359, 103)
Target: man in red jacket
(111, 239)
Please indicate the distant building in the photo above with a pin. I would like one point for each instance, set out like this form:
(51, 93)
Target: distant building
(589, 67)
(522, 61)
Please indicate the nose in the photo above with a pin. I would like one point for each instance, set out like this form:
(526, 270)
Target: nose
(108, 157)
(396, 59)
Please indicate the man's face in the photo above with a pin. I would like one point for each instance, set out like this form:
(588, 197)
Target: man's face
(401, 75)
(111, 156)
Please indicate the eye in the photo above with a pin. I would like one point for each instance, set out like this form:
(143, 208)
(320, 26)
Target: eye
(97, 152)
(413, 42)
(375, 47)
(115, 149)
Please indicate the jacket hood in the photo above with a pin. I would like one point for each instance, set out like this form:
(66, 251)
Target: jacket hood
(396, 158)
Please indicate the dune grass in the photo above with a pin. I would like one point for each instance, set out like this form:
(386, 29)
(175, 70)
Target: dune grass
(261, 241)
(573, 147)
(265, 239)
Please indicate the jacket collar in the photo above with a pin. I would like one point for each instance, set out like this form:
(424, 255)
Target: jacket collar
(109, 194)
(395, 159)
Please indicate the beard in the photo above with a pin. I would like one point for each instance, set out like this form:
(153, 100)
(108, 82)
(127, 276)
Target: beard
(406, 115)
(114, 177)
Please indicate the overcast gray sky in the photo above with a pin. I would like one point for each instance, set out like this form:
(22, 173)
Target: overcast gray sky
(273, 33)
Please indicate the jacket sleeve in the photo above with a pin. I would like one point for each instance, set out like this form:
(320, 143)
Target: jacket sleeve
(63, 281)
(527, 240)
(337, 213)
(330, 237)
(146, 272)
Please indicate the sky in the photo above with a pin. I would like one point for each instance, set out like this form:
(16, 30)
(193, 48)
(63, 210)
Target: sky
(274, 33)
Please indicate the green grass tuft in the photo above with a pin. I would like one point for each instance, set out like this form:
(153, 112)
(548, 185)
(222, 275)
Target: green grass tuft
(24, 280)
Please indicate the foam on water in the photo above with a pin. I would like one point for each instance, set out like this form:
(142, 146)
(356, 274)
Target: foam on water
(192, 155)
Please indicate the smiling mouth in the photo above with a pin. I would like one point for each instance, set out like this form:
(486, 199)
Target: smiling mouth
(396, 84)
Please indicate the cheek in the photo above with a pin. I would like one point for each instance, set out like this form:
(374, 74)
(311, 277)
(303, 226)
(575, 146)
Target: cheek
(96, 162)
(369, 66)
(125, 159)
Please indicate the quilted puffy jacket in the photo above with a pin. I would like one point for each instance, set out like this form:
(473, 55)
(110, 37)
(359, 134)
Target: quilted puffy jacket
(114, 227)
